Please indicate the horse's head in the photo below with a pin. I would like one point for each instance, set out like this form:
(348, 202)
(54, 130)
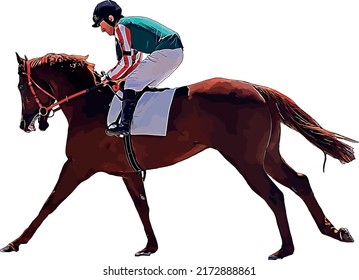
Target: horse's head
(34, 101)
(45, 80)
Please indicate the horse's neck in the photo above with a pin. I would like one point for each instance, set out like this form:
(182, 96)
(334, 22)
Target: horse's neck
(88, 105)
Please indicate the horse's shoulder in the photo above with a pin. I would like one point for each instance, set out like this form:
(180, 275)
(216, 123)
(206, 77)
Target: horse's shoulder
(222, 86)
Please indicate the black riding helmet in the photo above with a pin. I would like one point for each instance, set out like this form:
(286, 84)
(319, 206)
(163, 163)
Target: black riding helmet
(103, 10)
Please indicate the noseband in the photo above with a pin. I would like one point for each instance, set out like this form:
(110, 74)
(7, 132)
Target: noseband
(44, 110)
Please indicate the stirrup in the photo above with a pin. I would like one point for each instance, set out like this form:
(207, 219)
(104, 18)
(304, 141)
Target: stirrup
(119, 131)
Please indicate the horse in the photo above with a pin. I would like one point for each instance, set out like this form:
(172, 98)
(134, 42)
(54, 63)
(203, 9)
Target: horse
(241, 120)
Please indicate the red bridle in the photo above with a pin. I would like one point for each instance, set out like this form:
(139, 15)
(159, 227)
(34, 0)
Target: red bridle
(44, 110)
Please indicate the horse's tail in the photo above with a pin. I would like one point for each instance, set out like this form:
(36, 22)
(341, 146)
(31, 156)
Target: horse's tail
(294, 117)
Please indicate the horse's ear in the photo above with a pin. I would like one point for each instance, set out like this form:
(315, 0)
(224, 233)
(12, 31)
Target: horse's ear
(19, 59)
(26, 59)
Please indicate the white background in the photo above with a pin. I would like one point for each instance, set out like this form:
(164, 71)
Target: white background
(202, 211)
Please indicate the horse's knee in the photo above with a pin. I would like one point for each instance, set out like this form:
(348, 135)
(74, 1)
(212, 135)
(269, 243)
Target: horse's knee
(276, 197)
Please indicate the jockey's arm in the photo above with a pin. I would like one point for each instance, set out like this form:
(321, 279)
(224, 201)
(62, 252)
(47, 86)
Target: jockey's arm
(126, 56)
(136, 60)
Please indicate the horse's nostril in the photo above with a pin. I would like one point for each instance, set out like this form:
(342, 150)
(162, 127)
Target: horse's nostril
(22, 124)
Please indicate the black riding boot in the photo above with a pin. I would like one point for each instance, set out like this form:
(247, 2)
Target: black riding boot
(128, 108)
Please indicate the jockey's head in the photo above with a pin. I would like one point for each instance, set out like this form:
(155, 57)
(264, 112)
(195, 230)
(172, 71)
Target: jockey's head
(105, 15)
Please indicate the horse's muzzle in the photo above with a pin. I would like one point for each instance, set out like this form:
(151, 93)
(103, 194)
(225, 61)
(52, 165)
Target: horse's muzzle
(27, 128)
(27, 122)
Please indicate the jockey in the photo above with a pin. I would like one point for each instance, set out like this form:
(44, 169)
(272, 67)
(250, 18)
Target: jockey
(134, 36)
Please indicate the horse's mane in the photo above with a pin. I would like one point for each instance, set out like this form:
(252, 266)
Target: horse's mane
(73, 62)
(53, 59)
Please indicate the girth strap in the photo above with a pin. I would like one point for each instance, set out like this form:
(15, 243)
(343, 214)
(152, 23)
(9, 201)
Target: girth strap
(131, 158)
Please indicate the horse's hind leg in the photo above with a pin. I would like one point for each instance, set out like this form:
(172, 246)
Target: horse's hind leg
(136, 189)
(279, 170)
(246, 154)
(261, 184)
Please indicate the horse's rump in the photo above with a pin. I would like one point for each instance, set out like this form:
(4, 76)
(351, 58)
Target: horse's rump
(235, 89)
(281, 108)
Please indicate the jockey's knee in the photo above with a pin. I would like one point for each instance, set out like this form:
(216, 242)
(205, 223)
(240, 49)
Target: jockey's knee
(134, 85)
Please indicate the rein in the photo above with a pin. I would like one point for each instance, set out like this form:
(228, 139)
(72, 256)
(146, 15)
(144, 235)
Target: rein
(43, 110)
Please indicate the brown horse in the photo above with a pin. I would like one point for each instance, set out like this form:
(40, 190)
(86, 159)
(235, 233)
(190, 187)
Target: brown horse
(238, 119)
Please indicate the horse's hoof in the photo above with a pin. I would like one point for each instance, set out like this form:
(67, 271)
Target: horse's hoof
(145, 252)
(140, 254)
(6, 249)
(345, 235)
(281, 254)
(9, 248)
(274, 257)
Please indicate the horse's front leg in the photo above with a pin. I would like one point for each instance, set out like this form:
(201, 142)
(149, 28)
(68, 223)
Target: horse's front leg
(136, 189)
(72, 174)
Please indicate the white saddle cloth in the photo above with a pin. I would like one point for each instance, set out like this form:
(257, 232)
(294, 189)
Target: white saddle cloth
(151, 113)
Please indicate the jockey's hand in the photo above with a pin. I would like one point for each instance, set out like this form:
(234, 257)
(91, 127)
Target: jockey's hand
(106, 80)
(104, 77)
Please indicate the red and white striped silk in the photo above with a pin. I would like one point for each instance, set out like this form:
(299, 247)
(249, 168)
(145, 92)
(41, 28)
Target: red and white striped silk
(130, 58)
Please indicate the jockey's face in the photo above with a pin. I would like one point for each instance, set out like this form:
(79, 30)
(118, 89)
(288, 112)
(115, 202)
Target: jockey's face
(105, 27)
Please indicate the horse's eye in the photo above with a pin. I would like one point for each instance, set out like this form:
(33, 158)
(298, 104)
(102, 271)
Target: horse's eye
(21, 87)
